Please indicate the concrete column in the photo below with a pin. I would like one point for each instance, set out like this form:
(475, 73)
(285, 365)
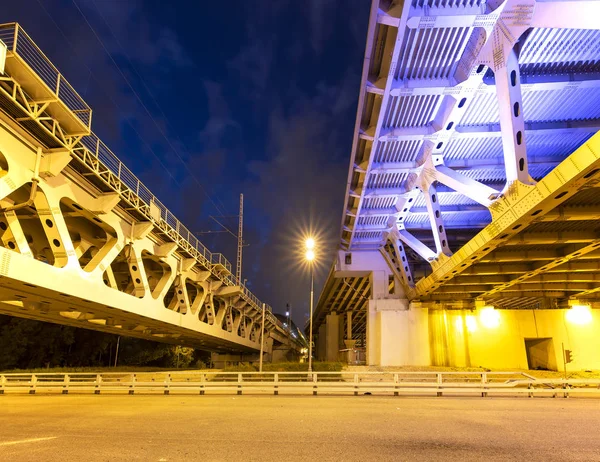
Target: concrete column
(397, 335)
(348, 342)
(332, 337)
(349, 325)
(321, 343)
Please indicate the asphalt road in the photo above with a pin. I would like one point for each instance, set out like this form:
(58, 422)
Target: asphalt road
(251, 428)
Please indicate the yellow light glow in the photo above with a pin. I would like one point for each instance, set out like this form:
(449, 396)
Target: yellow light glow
(310, 255)
(471, 323)
(489, 317)
(458, 323)
(310, 243)
(579, 314)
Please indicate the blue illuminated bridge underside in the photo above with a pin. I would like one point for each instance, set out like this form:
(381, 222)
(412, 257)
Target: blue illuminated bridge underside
(474, 164)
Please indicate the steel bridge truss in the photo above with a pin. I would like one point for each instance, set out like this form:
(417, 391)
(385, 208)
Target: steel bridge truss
(85, 243)
(474, 148)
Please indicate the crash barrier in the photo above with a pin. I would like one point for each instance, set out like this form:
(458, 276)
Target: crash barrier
(300, 383)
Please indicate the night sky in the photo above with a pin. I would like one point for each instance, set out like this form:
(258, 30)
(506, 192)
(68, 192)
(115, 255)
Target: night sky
(207, 100)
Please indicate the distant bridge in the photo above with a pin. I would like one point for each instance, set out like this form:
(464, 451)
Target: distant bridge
(85, 243)
(472, 182)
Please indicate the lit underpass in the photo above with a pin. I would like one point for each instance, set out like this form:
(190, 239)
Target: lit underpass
(86, 244)
(470, 231)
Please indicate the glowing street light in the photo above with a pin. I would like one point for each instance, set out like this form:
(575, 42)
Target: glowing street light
(310, 257)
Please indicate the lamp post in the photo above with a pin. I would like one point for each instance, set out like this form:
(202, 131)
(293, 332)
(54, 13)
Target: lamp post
(310, 256)
(288, 314)
(262, 338)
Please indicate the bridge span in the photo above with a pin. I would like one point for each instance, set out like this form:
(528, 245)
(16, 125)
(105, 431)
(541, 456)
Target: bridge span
(470, 232)
(85, 243)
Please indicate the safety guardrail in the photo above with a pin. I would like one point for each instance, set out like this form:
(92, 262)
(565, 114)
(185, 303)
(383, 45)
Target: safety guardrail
(380, 383)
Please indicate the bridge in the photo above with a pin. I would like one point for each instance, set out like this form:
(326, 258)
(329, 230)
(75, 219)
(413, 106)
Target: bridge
(84, 243)
(470, 232)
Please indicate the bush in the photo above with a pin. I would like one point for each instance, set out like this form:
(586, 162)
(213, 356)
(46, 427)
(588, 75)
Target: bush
(287, 367)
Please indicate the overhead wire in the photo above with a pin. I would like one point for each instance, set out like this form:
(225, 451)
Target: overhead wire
(154, 100)
(135, 93)
(107, 94)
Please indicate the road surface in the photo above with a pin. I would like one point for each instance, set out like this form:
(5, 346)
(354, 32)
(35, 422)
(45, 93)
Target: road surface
(307, 428)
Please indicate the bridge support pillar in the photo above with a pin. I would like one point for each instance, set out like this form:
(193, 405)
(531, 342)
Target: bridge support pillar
(396, 334)
(321, 343)
(332, 337)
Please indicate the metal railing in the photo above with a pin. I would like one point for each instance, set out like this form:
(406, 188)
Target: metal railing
(18, 42)
(96, 148)
(102, 152)
(380, 383)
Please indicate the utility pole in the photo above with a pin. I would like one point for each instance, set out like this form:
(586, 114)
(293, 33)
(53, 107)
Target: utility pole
(117, 352)
(238, 268)
(262, 338)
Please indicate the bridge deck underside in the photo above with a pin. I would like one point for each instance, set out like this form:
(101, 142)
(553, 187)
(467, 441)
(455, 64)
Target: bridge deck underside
(465, 107)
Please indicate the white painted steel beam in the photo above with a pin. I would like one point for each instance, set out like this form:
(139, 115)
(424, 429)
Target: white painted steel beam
(567, 14)
(529, 84)
(466, 186)
(437, 222)
(512, 124)
(382, 168)
(421, 249)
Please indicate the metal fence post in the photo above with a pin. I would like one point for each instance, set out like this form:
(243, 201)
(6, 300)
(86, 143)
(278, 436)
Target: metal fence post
(395, 384)
(2, 383)
(66, 381)
(483, 382)
(275, 381)
(98, 383)
(202, 379)
(239, 387)
(16, 37)
(314, 378)
(566, 387)
(132, 385)
(33, 384)
(355, 384)
(167, 383)
(439, 383)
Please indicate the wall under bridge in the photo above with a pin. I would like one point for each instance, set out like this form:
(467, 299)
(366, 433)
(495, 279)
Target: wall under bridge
(483, 337)
(522, 339)
(396, 332)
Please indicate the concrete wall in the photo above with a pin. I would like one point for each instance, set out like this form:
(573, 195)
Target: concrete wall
(496, 338)
(396, 335)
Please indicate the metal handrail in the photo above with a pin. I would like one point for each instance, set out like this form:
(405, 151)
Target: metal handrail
(20, 44)
(95, 147)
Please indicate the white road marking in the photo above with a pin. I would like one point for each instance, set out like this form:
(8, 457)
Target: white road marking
(30, 440)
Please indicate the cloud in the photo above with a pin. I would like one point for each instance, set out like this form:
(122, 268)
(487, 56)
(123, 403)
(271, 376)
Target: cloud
(320, 16)
(300, 185)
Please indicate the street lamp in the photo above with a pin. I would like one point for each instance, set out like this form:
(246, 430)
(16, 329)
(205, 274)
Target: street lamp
(310, 256)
